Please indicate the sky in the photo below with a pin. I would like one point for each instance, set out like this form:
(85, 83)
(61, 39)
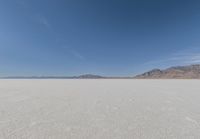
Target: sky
(104, 37)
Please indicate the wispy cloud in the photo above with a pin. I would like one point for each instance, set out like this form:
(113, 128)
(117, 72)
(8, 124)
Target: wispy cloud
(188, 56)
(77, 55)
(39, 18)
(184, 57)
(43, 21)
(73, 52)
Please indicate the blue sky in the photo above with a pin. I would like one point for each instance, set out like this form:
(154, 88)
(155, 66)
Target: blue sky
(105, 37)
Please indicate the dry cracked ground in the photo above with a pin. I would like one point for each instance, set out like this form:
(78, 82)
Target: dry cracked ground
(99, 109)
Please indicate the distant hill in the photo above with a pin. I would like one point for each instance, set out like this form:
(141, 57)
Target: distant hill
(84, 76)
(89, 76)
(179, 72)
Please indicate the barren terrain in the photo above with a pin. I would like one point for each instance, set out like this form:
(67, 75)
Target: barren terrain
(99, 109)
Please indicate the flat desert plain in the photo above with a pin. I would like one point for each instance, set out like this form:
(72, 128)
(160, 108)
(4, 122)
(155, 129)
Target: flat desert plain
(99, 109)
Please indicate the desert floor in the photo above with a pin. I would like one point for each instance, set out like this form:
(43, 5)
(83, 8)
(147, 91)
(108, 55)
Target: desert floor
(99, 109)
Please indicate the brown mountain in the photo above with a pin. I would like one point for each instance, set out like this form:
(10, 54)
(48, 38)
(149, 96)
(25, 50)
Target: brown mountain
(179, 72)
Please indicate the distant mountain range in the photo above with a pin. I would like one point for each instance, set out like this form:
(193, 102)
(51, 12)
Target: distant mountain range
(84, 76)
(89, 76)
(179, 72)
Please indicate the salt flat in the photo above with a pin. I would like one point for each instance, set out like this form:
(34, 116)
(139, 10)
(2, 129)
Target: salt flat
(99, 109)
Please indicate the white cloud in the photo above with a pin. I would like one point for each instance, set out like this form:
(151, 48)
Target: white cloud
(184, 57)
(187, 56)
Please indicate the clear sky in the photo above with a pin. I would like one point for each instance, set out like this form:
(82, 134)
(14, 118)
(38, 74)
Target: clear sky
(105, 37)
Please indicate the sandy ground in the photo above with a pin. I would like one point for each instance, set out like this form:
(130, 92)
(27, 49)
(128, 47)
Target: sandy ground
(99, 109)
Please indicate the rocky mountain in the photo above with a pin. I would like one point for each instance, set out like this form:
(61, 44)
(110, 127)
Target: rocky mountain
(179, 72)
